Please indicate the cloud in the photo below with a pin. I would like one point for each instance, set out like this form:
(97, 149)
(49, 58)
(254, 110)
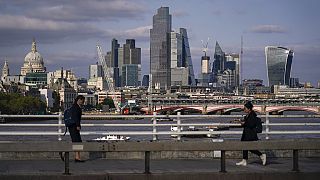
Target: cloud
(26, 23)
(180, 13)
(20, 29)
(267, 29)
(74, 10)
(140, 32)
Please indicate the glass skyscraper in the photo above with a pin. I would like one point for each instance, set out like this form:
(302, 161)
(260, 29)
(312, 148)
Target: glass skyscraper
(186, 56)
(279, 60)
(160, 66)
(181, 62)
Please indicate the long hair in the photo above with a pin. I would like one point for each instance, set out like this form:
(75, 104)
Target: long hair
(77, 98)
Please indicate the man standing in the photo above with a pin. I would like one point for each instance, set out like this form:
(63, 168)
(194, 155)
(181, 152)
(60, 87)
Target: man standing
(249, 133)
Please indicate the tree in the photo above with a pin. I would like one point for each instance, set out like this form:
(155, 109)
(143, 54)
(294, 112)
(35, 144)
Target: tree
(13, 103)
(108, 101)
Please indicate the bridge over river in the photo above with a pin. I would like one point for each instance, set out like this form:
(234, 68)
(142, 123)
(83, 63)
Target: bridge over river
(228, 108)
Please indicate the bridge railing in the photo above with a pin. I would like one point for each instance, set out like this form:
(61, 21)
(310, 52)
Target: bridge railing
(147, 147)
(155, 126)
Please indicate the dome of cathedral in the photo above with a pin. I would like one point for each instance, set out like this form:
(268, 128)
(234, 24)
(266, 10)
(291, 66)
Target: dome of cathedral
(34, 57)
(33, 62)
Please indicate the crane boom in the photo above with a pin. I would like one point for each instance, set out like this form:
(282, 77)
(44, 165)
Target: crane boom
(108, 77)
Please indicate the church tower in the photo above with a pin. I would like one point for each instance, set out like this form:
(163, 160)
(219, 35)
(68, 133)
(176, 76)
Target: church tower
(5, 70)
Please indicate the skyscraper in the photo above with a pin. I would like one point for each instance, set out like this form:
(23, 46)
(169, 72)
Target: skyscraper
(115, 62)
(95, 70)
(219, 60)
(160, 66)
(186, 56)
(279, 60)
(130, 64)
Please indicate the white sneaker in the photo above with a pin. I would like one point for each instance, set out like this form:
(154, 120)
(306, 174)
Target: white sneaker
(263, 159)
(242, 163)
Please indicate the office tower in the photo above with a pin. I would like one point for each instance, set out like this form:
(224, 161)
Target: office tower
(115, 62)
(279, 60)
(131, 75)
(186, 56)
(294, 82)
(233, 63)
(160, 65)
(219, 60)
(95, 71)
(205, 64)
(145, 80)
(129, 54)
(33, 62)
(181, 62)
(225, 69)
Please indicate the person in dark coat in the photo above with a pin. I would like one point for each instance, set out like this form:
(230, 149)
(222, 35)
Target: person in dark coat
(249, 133)
(74, 130)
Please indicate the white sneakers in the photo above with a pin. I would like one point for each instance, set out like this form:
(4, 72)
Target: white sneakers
(263, 159)
(242, 163)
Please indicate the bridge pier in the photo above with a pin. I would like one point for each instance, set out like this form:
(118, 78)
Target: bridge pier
(263, 109)
(204, 109)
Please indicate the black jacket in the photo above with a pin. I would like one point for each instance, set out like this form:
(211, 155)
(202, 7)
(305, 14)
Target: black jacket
(249, 133)
(76, 114)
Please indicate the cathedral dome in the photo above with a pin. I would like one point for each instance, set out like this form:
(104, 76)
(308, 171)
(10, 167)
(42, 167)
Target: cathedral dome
(33, 62)
(35, 58)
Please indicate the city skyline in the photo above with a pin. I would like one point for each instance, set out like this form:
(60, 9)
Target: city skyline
(67, 34)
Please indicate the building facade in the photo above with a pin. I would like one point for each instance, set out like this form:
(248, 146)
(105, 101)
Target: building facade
(131, 75)
(95, 71)
(160, 66)
(279, 60)
(181, 61)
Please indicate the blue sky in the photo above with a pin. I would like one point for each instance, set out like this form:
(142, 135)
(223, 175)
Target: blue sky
(68, 31)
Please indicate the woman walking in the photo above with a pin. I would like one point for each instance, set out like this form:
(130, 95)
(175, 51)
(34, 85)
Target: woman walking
(249, 134)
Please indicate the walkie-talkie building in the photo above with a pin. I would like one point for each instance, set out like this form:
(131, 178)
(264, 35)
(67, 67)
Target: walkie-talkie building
(279, 60)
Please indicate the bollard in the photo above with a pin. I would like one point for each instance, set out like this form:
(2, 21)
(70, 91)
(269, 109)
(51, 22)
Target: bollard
(154, 128)
(295, 158)
(66, 164)
(223, 161)
(59, 126)
(147, 162)
(267, 126)
(178, 126)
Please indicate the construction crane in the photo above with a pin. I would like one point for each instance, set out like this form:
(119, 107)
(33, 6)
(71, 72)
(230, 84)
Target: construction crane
(108, 77)
(205, 46)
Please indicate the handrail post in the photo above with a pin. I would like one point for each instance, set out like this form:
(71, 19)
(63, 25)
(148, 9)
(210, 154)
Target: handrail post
(178, 126)
(267, 126)
(295, 158)
(223, 161)
(66, 164)
(59, 127)
(147, 162)
(154, 128)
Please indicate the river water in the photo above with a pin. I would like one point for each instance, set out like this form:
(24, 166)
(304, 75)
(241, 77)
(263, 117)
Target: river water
(160, 137)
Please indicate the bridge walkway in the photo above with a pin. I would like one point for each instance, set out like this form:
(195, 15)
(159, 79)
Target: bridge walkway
(167, 169)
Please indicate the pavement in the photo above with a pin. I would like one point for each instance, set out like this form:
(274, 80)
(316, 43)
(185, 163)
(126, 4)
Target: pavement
(105, 166)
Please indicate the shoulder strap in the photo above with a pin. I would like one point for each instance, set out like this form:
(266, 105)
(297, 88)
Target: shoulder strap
(65, 131)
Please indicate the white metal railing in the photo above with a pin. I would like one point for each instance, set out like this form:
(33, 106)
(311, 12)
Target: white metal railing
(154, 124)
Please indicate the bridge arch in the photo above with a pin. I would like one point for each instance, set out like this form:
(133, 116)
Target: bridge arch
(281, 109)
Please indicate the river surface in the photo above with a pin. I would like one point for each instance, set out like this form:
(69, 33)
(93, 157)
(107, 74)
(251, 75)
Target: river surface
(160, 137)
